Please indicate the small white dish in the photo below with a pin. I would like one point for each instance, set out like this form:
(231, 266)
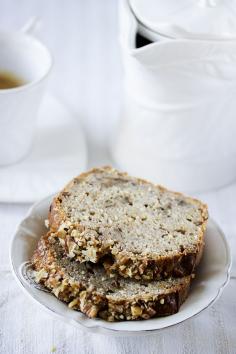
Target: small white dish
(58, 154)
(212, 277)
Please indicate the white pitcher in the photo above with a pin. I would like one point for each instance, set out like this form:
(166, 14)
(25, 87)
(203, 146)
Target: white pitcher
(178, 120)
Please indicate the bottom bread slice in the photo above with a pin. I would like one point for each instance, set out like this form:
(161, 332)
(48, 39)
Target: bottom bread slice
(87, 287)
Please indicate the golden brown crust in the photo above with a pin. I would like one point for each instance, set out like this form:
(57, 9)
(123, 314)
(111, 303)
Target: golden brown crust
(81, 296)
(127, 264)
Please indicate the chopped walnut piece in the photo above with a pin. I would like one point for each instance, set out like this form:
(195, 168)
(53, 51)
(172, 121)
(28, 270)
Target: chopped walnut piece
(136, 311)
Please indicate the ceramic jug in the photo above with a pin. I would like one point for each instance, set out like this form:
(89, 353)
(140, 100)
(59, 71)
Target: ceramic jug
(178, 117)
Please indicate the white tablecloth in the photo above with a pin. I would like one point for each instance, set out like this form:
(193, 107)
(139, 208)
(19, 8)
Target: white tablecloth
(82, 37)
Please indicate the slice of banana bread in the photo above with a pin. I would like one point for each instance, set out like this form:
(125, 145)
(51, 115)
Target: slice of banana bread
(143, 230)
(88, 288)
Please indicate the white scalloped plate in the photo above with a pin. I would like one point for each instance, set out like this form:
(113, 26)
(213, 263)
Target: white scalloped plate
(212, 277)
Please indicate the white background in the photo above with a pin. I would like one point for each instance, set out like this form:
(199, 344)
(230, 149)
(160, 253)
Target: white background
(82, 36)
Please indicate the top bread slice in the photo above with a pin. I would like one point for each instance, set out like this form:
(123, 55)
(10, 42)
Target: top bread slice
(134, 227)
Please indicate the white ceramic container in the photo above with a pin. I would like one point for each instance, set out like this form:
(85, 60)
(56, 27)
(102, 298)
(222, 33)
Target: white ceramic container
(27, 58)
(178, 123)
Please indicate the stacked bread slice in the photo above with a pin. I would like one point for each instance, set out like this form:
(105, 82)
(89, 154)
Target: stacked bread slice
(120, 248)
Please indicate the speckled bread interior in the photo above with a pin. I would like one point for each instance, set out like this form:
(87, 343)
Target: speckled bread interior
(135, 228)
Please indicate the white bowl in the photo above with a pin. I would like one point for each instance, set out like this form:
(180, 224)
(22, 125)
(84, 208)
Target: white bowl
(212, 277)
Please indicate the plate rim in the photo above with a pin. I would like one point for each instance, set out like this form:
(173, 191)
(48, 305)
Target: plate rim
(98, 328)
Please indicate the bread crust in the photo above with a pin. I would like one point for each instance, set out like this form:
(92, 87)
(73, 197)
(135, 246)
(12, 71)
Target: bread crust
(125, 263)
(82, 296)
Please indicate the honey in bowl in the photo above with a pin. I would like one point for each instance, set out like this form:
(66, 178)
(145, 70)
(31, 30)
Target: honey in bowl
(9, 80)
